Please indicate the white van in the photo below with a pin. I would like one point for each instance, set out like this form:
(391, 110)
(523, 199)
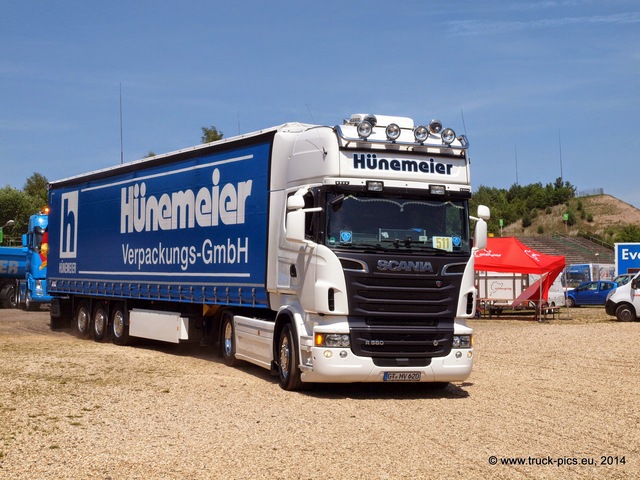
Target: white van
(624, 302)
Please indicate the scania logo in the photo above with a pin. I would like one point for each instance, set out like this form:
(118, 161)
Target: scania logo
(404, 266)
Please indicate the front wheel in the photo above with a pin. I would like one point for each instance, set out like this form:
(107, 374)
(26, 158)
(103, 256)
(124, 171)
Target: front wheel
(29, 304)
(571, 302)
(625, 313)
(228, 346)
(289, 375)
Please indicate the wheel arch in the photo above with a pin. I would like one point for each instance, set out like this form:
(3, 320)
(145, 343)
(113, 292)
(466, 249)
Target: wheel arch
(286, 316)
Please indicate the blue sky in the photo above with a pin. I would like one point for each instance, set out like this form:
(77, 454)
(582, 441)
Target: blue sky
(541, 88)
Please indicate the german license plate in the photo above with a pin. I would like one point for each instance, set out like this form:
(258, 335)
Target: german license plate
(402, 376)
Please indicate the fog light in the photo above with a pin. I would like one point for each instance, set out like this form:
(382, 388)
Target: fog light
(435, 126)
(393, 132)
(364, 130)
(448, 136)
(421, 133)
(458, 354)
(343, 354)
(328, 353)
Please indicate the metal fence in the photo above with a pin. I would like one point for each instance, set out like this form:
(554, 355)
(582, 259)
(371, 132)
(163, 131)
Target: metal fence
(590, 191)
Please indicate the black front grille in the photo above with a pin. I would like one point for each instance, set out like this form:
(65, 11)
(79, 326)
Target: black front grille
(402, 317)
(393, 294)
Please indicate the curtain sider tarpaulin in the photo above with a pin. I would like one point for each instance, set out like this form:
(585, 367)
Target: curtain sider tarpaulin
(508, 254)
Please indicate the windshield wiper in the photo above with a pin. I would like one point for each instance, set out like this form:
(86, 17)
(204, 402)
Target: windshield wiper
(360, 245)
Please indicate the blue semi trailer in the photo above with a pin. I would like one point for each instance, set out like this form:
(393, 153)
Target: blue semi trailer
(323, 253)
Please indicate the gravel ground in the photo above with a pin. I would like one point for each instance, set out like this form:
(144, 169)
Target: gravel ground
(546, 394)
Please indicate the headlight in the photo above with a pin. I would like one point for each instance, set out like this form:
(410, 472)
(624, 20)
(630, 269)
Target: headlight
(462, 341)
(337, 340)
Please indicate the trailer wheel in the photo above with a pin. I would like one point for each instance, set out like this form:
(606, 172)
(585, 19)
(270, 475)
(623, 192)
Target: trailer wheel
(83, 319)
(228, 343)
(119, 325)
(9, 296)
(625, 313)
(100, 322)
(288, 371)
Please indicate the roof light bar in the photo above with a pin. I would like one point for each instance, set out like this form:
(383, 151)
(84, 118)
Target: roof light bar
(368, 128)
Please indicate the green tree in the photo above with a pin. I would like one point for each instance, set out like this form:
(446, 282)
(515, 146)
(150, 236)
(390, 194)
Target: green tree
(36, 187)
(211, 134)
(520, 200)
(16, 205)
(629, 233)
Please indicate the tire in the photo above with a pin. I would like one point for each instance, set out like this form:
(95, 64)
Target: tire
(119, 325)
(100, 322)
(29, 304)
(9, 297)
(625, 313)
(289, 375)
(438, 386)
(83, 320)
(571, 302)
(228, 340)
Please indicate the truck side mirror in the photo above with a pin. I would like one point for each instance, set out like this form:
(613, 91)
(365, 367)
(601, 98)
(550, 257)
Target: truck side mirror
(295, 226)
(480, 235)
(295, 202)
(484, 212)
(480, 231)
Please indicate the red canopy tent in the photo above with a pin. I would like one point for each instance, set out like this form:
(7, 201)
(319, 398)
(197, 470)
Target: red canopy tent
(508, 254)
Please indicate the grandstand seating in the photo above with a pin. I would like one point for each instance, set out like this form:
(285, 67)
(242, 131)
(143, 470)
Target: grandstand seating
(575, 249)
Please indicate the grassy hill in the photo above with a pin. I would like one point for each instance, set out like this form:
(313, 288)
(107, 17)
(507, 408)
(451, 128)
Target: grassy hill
(599, 215)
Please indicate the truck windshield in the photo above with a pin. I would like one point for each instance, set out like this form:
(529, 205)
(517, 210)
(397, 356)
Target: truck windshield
(404, 222)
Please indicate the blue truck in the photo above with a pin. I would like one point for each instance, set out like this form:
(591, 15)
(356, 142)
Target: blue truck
(23, 270)
(322, 253)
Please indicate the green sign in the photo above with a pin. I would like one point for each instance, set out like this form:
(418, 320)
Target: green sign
(565, 217)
